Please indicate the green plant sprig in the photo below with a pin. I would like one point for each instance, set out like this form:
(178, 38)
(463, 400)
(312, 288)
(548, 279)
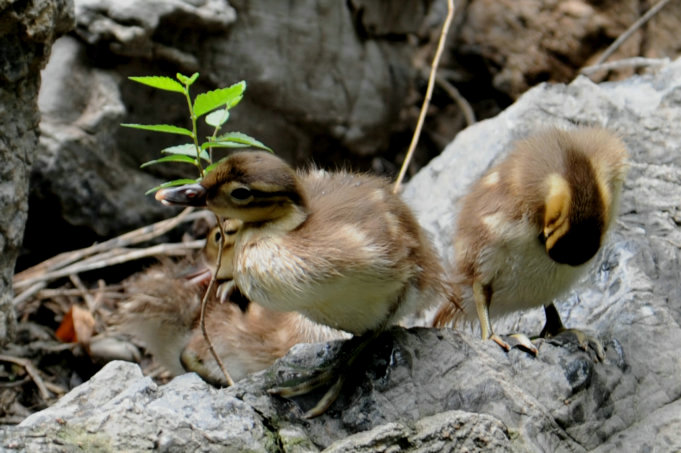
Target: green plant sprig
(215, 105)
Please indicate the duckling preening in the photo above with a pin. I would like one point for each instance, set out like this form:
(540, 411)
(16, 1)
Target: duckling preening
(529, 227)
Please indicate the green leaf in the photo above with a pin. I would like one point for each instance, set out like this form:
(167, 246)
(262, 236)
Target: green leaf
(168, 128)
(187, 80)
(231, 145)
(188, 149)
(211, 167)
(240, 139)
(162, 83)
(177, 182)
(217, 118)
(171, 158)
(210, 100)
(235, 101)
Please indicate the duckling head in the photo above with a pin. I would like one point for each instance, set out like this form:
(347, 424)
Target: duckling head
(210, 250)
(575, 213)
(252, 186)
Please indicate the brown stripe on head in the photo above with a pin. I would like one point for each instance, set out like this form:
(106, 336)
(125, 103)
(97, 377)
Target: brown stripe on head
(577, 237)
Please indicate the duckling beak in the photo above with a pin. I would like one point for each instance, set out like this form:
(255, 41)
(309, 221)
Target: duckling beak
(187, 195)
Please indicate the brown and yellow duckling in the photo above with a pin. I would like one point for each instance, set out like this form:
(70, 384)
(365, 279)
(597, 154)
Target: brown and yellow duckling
(246, 336)
(338, 247)
(164, 308)
(529, 227)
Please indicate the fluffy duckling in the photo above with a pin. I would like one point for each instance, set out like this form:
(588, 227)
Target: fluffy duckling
(529, 227)
(161, 312)
(164, 308)
(338, 247)
(246, 336)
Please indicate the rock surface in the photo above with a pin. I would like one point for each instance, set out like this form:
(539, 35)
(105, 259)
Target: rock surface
(519, 44)
(444, 390)
(28, 30)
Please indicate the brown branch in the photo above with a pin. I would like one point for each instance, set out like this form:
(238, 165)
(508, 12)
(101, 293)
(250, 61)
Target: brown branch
(89, 301)
(463, 104)
(630, 31)
(429, 94)
(32, 371)
(625, 63)
(137, 236)
(111, 258)
(204, 304)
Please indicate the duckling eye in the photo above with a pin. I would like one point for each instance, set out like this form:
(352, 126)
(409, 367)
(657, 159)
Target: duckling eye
(231, 232)
(217, 236)
(240, 194)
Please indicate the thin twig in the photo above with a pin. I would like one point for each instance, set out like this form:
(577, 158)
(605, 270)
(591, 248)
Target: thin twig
(463, 104)
(137, 236)
(630, 31)
(429, 93)
(26, 294)
(118, 258)
(625, 63)
(89, 301)
(31, 371)
(204, 304)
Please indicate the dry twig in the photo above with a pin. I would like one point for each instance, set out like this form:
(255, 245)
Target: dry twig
(204, 304)
(32, 371)
(429, 94)
(630, 31)
(137, 236)
(463, 104)
(110, 258)
(625, 63)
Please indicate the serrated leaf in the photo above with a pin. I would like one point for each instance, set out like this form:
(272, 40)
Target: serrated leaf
(177, 182)
(240, 138)
(162, 83)
(231, 145)
(171, 158)
(187, 80)
(167, 128)
(188, 149)
(210, 100)
(235, 101)
(217, 118)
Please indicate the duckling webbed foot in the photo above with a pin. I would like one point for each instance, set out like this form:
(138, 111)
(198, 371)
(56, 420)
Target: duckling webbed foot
(336, 374)
(482, 295)
(554, 328)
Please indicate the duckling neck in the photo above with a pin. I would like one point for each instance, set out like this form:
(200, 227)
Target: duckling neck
(288, 221)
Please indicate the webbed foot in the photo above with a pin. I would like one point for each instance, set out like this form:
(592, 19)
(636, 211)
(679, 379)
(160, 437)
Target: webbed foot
(554, 328)
(336, 374)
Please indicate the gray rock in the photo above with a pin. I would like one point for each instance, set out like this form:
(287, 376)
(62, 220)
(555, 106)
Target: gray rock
(77, 165)
(430, 390)
(26, 36)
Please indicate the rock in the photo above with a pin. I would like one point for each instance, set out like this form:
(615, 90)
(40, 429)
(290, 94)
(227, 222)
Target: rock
(520, 44)
(26, 36)
(432, 390)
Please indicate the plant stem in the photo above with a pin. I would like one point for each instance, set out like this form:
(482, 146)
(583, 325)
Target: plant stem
(429, 92)
(204, 304)
(194, 134)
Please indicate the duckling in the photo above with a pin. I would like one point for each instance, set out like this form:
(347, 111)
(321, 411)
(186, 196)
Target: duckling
(246, 336)
(161, 312)
(529, 227)
(338, 247)
(164, 308)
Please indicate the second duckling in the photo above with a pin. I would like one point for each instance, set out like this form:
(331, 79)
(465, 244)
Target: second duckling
(529, 227)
